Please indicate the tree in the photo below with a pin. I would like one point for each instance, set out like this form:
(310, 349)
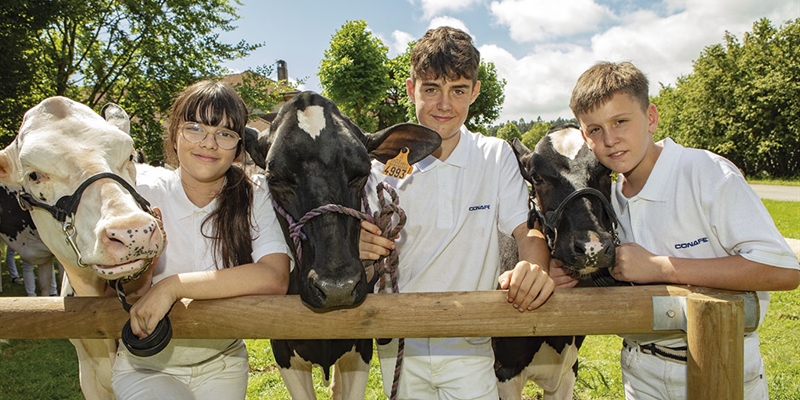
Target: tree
(509, 131)
(397, 106)
(536, 133)
(137, 54)
(17, 19)
(489, 103)
(354, 74)
(741, 101)
(260, 93)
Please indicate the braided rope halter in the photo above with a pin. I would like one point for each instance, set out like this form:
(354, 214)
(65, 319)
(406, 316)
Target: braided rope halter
(385, 266)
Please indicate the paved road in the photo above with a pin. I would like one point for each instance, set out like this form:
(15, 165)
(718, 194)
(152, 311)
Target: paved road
(781, 193)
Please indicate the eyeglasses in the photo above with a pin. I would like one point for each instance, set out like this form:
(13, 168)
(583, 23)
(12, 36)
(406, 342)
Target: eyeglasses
(193, 132)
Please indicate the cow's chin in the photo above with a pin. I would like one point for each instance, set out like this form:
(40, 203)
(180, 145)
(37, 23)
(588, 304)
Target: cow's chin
(120, 271)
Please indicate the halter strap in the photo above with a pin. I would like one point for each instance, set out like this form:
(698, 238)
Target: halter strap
(66, 206)
(551, 219)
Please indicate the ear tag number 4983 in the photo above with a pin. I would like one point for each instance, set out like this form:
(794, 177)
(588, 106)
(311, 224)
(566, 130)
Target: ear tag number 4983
(398, 167)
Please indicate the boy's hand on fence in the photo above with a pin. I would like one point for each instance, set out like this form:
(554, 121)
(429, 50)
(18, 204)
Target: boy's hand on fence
(529, 285)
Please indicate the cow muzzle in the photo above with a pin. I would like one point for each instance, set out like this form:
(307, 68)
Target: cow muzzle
(341, 290)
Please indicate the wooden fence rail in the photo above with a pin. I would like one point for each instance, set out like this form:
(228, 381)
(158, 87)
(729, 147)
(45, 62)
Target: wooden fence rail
(715, 321)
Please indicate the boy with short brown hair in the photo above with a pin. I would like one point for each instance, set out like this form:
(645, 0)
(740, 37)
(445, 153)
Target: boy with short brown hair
(687, 216)
(457, 201)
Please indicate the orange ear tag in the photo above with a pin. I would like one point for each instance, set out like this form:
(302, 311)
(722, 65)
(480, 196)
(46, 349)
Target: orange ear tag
(398, 167)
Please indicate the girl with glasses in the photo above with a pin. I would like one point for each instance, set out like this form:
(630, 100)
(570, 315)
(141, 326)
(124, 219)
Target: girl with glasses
(223, 240)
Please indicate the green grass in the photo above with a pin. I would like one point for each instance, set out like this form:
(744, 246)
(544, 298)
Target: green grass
(786, 215)
(48, 369)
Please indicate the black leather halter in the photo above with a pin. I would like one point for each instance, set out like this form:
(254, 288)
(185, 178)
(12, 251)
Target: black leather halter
(551, 219)
(67, 205)
(64, 209)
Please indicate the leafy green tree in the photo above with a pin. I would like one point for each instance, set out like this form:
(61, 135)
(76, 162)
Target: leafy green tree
(137, 54)
(509, 131)
(535, 134)
(486, 108)
(741, 101)
(397, 106)
(17, 19)
(260, 93)
(354, 73)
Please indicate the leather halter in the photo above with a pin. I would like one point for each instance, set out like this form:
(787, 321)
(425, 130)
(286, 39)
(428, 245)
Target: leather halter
(551, 219)
(64, 209)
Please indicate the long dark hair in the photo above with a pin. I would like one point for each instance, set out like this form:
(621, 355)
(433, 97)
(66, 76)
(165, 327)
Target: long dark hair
(212, 103)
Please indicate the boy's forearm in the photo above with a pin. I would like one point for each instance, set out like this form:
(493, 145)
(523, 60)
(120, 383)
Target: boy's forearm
(532, 246)
(731, 273)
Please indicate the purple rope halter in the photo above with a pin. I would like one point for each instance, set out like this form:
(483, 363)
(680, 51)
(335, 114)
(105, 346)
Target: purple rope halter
(385, 265)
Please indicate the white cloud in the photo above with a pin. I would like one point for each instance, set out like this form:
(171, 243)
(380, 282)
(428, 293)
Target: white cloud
(432, 8)
(448, 21)
(535, 21)
(399, 42)
(540, 79)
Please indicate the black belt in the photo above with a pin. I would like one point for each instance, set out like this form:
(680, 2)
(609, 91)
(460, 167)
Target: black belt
(675, 354)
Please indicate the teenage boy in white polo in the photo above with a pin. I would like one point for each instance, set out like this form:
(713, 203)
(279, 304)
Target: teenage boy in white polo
(687, 216)
(456, 200)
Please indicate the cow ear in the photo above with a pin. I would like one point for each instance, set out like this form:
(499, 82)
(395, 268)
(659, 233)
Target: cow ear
(116, 116)
(256, 145)
(386, 144)
(521, 152)
(8, 165)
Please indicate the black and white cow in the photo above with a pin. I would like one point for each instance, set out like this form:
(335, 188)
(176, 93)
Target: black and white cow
(570, 192)
(19, 233)
(18, 230)
(315, 156)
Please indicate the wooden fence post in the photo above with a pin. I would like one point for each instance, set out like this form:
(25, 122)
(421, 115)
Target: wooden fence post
(715, 332)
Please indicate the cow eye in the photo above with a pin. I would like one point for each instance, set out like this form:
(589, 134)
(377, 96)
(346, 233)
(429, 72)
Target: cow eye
(33, 176)
(536, 178)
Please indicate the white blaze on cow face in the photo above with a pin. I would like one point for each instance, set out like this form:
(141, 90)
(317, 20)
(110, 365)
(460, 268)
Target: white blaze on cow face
(566, 143)
(311, 120)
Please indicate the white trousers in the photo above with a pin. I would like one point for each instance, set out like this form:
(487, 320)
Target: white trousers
(647, 377)
(221, 377)
(441, 369)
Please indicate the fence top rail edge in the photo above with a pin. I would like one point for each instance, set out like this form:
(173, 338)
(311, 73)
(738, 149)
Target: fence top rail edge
(576, 311)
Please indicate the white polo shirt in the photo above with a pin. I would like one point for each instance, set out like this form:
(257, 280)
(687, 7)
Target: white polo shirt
(455, 209)
(187, 250)
(696, 204)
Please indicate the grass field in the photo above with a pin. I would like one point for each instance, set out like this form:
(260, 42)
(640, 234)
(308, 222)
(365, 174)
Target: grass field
(47, 369)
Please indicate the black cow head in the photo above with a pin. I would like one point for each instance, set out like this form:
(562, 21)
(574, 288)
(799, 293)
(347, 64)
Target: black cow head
(316, 156)
(571, 191)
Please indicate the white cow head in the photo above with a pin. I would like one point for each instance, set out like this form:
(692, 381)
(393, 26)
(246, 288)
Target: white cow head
(60, 146)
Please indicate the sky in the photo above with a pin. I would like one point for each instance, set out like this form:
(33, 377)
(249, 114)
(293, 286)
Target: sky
(539, 47)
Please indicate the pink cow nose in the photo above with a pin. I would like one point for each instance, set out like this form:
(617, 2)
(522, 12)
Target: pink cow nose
(130, 240)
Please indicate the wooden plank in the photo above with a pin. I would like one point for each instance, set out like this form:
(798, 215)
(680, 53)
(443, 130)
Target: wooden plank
(590, 311)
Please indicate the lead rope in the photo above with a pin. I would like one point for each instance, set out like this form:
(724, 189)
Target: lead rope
(388, 265)
(383, 266)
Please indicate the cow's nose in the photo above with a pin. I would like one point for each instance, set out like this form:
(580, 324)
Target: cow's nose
(131, 240)
(335, 291)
